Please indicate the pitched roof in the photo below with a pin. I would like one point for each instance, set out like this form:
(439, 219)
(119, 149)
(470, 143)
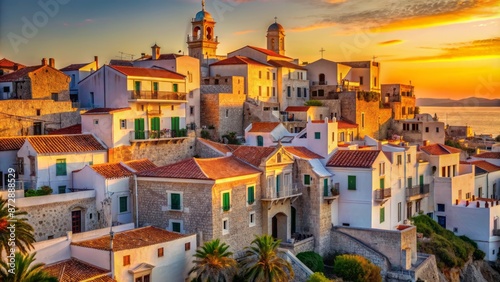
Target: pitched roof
(353, 158)
(11, 143)
(148, 72)
(268, 52)
(204, 169)
(488, 155)
(131, 239)
(297, 109)
(486, 166)
(112, 170)
(74, 67)
(253, 154)
(440, 149)
(8, 64)
(73, 129)
(222, 148)
(141, 165)
(263, 126)
(238, 60)
(99, 111)
(75, 270)
(302, 152)
(121, 63)
(285, 64)
(14, 76)
(47, 144)
(342, 124)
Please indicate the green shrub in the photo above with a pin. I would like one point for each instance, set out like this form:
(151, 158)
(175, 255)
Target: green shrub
(312, 260)
(356, 268)
(205, 134)
(317, 277)
(478, 254)
(45, 190)
(313, 103)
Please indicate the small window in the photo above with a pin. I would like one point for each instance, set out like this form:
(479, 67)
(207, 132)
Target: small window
(363, 120)
(351, 182)
(61, 189)
(176, 226)
(382, 214)
(260, 74)
(400, 159)
(191, 110)
(160, 252)
(437, 129)
(467, 196)
(61, 167)
(381, 168)
(317, 135)
(307, 179)
(175, 201)
(55, 97)
(427, 129)
(226, 201)
(408, 158)
(440, 207)
(225, 226)
(126, 260)
(251, 219)
(251, 195)
(123, 204)
(96, 122)
(123, 124)
(227, 113)
(333, 136)
(38, 112)
(6, 89)
(187, 246)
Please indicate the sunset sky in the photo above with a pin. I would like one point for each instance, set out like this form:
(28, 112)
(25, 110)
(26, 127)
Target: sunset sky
(446, 48)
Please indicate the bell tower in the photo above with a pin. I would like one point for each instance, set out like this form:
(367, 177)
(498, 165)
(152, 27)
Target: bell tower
(202, 43)
(276, 38)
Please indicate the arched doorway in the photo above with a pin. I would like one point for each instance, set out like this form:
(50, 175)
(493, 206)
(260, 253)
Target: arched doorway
(322, 79)
(279, 228)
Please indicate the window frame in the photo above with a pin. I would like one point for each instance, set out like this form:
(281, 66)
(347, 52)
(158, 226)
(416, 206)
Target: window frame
(352, 182)
(223, 208)
(169, 200)
(60, 167)
(171, 225)
(120, 211)
(251, 219)
(306, 180)
(225, 226)
(250, 198)
(123, 124)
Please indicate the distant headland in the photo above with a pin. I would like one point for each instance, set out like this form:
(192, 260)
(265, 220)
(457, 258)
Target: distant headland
(467, 102)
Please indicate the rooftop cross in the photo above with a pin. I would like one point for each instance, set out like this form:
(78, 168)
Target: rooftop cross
(203, 5)
(322, 51)
(275, 19)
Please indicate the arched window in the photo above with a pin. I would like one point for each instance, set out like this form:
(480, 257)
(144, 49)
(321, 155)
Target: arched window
(278, 158)
(260, 141)
(322, 79)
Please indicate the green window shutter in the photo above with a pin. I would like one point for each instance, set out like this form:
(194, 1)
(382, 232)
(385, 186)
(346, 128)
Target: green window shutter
(382, 183)
(325, 187)
(251, 195)
(155, 124)
(410, 180)
(260, 141)
(307, 179)
(175, 201)
(176, 227)
(61, 167)
(226, 201)
(382, 214)
(61, 189)
(351, 182)
(317, 135)
(123, 204)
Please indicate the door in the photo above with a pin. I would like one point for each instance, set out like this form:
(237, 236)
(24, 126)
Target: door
(260, 141)
(139, 128)
(275, 227)
(76, 221)
(155, 127)
(175, 121)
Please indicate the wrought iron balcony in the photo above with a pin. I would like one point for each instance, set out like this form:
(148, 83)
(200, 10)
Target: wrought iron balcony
(331, 194)
(154, 135)
(158, 95)
(417, 192)
(382, 194)
(273, 196)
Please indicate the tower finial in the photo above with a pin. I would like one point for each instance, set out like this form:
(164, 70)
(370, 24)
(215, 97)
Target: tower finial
(203, 5)
(275, 19)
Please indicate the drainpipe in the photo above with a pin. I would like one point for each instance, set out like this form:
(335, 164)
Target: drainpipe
(136, 202)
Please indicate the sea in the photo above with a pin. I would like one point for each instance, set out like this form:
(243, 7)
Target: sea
(483, 120)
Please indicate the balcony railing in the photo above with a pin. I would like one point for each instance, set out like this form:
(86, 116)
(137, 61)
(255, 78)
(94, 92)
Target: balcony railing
(283, 192)
(199, 38)
(152, 135)
(382, 194)
(418, 190)
(158, 95)
(496, 232)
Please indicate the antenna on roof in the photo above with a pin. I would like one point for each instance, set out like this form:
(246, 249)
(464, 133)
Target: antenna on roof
(127, 54)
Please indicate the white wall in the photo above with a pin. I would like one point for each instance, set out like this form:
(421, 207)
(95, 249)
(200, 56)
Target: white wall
(9, 158)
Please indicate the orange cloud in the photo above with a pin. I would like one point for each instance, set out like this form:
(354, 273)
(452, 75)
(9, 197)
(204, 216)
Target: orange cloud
(312, 27)
(390, 42)
(244, 32)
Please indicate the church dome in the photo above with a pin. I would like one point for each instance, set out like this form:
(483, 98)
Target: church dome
(203, 15)
(275, 27)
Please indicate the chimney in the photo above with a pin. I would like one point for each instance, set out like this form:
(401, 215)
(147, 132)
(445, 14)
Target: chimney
(44, 61)
(96, 60)
(52, 62)
(155, 52)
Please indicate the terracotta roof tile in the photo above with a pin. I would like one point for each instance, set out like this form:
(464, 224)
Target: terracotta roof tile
(486, 166)
(238, 60)
(440, 149)
(14, 76)
(263, 126)
(253, 154)
(74, 129)
(148, 72)
(268, 52)
(297, 109)
(8, 64)
(131, 239)
(141, 165)
(222, 148)
(11, 143)
(205, 169)
(353, 158)
(345, 125)
(302, 152)
(112, 170)
(98, 111)
(47, 144)
(74, 67)
(285, 64)
(73, 270)
(488, 155)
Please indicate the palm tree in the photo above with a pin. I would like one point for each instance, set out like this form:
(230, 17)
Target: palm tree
(213, 263)
(24, 234)
(24, 271)
(262, 262)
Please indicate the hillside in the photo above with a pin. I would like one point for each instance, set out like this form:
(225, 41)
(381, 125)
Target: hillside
(467, 102)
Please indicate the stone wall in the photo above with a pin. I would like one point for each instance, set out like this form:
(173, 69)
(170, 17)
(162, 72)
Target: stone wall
(53, 115)
(427, 270)
(41, 83)
(301, 271)
(204, 151)
(224, 111)
(333, 106)
(54, 217)
(161, 153)
(306, 245)
(254, 112)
